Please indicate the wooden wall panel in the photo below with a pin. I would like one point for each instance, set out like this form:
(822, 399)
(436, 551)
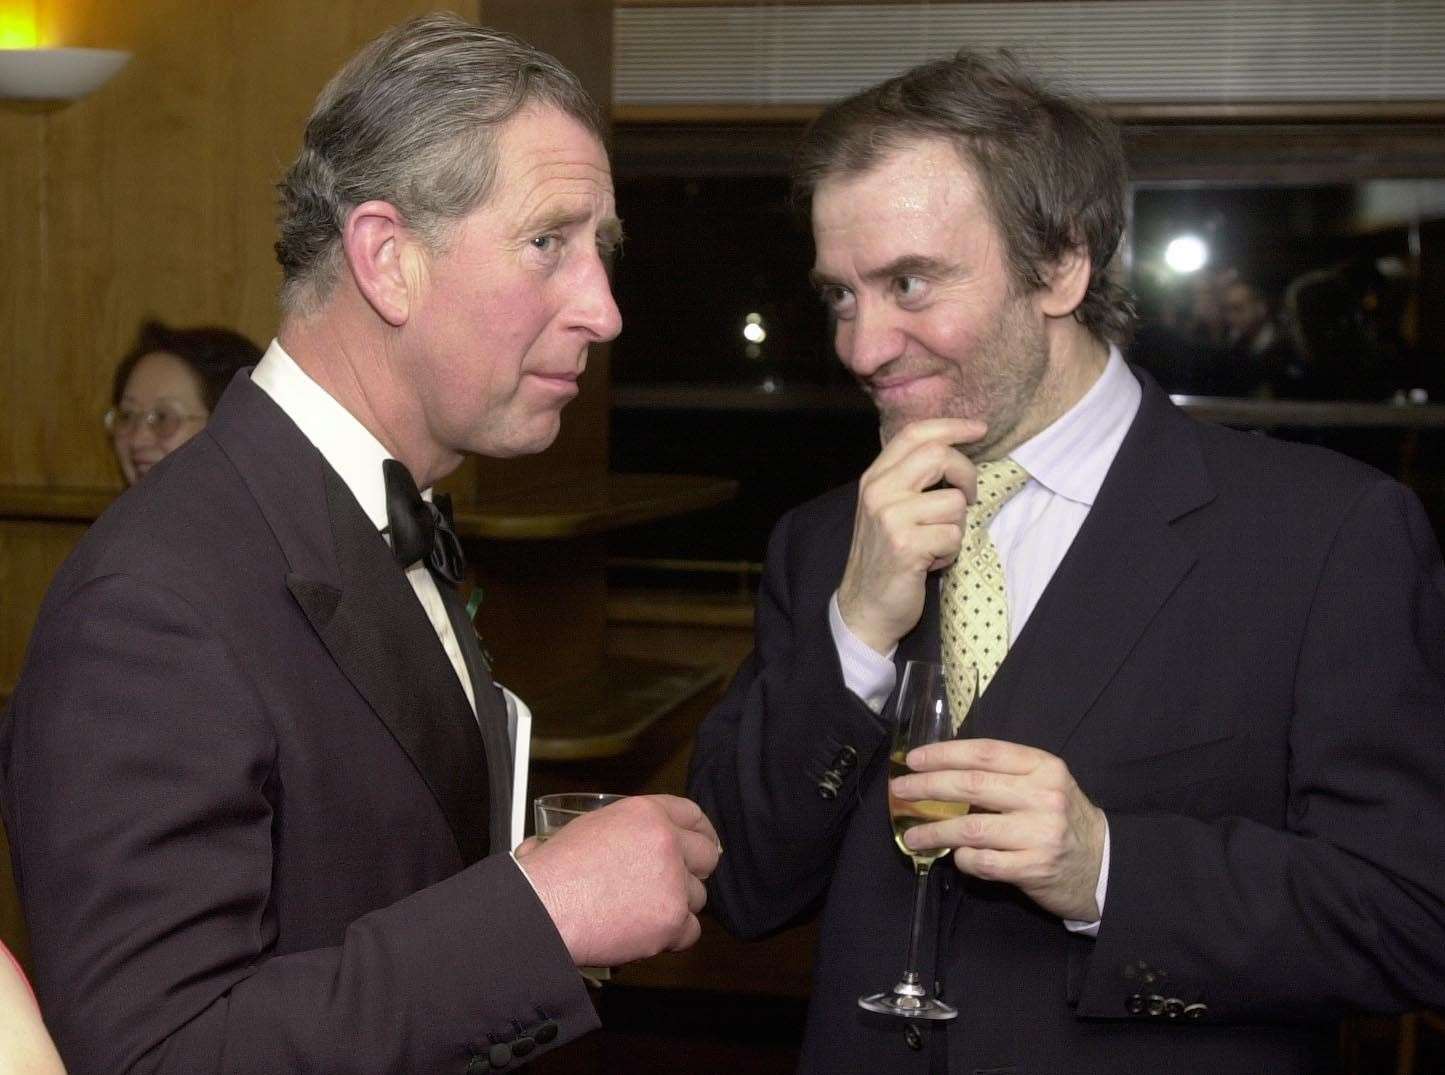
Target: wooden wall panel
(154, 196)
(30, 553)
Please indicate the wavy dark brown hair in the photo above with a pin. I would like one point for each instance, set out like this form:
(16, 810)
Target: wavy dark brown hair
(1051, 167)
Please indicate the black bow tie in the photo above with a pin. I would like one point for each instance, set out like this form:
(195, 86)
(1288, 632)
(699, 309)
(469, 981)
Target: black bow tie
(420, 529)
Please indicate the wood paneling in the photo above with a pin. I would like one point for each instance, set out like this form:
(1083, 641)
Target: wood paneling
(152, 196)
(30, 553)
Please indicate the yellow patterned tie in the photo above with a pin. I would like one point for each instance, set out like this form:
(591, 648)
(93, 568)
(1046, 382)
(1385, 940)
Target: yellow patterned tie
(974, 617)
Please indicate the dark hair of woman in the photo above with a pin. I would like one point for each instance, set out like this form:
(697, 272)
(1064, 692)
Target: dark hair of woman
(213, 354)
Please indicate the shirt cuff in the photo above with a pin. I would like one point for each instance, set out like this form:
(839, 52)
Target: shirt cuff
(1091, 929)
(866, 673)
(524, 873)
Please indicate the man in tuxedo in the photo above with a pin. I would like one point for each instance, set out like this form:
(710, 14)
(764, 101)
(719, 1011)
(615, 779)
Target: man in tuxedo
(257, 774)
(1201, 675)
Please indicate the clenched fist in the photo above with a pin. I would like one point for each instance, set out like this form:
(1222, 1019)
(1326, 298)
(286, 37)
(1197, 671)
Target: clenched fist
(625, 882)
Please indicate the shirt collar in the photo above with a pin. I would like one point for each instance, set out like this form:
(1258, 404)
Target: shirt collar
(351, 449)
(1072, 456)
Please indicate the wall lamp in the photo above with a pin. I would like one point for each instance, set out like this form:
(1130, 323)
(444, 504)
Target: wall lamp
(56, 74)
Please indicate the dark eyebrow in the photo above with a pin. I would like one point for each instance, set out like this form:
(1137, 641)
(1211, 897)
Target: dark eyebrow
(907, 265)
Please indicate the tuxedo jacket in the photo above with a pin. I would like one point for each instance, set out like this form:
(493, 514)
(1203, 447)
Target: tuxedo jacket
(249, 806)
(1241, 658)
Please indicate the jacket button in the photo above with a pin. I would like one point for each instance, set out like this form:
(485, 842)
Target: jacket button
(545, 1033)
(1134, 1005)
(500, 1054)
(478, 1066)
(523, 1045)
(913, 1037)
(829, 785)
(1196, 1010)
(1174, 1007)
(845, 760)
(1154, 1004)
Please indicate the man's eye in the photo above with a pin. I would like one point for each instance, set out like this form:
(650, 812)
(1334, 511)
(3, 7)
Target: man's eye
(839, 300)
(546, 243)
(910, 287)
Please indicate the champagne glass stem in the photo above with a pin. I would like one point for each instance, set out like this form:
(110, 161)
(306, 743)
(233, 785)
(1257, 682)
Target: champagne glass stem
(915, 930)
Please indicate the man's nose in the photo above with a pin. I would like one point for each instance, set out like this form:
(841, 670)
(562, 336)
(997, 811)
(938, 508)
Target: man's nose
(869, 341)
(595, 310)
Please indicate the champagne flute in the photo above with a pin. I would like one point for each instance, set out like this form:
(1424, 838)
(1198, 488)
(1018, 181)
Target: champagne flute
(920, 716)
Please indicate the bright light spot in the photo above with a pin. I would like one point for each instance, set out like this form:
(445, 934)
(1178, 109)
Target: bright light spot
(19, 25)
(754, 333)
(754, 319)
(17, 35)
(1186, 254)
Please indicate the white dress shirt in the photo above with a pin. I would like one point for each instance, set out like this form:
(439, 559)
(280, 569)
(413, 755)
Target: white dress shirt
(356, 456)
(1067, 463)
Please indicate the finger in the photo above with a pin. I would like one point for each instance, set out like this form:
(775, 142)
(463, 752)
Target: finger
(928, 465)
(946, 504)
(989, 864)
(688, 935)
(699, 853)
(992, 755)
(1000, 832)
(930, 430)
(696, 895)
(686, 814)
(981, 789)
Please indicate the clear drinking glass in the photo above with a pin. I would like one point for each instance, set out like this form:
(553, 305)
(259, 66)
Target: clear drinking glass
(551, 812)
(921, 716)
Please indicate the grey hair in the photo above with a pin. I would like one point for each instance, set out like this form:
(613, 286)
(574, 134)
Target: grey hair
(1051, 167)
(412, 119)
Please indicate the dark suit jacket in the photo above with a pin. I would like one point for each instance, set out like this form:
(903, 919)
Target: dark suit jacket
(248, 802)
(1242, 660)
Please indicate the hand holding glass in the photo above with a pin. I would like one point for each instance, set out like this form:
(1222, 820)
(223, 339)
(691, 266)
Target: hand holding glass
(920, 717)
(551, 812)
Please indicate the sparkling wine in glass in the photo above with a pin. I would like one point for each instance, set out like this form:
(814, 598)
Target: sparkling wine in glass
(921, 716)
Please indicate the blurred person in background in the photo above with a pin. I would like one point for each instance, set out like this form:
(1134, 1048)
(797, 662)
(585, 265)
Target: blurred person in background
(165, 388)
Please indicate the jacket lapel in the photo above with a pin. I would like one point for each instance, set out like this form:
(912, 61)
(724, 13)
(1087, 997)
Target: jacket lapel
(361, 606)
(379, 636)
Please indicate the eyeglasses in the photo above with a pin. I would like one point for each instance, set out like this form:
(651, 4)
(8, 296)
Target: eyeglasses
(162, 421)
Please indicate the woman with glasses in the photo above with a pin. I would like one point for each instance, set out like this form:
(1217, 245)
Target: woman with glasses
(165, 388)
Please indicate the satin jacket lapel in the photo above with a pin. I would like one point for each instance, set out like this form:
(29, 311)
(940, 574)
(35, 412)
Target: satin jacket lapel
(365, 612)
(491, 715)
(1122, 566)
